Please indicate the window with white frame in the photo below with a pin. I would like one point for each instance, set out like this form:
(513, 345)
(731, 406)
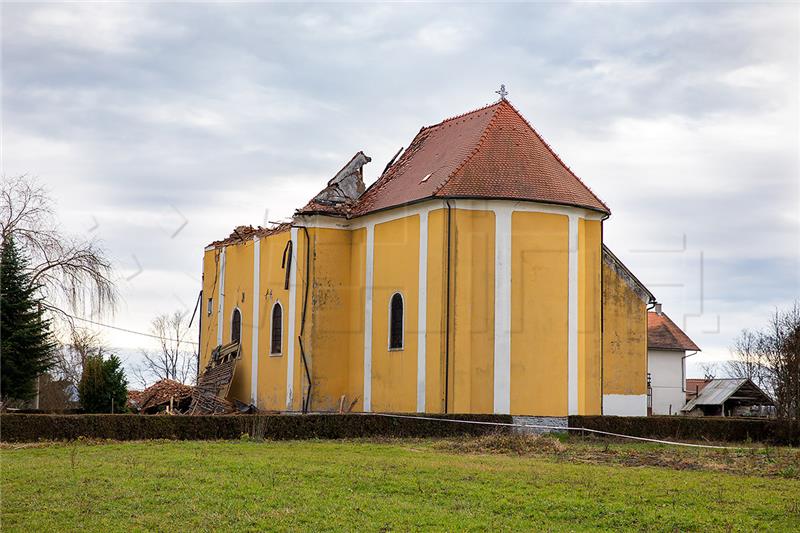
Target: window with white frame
(276, 335)
(396, 322)
(236, 326)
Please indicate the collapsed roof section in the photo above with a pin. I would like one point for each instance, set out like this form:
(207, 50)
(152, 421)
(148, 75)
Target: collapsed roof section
(245, 233)
(342, 191)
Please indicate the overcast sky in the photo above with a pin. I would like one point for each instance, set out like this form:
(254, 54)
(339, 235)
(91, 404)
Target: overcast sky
(158, 128)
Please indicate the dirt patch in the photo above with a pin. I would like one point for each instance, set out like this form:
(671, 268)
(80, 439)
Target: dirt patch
(510, 444)
(761, 461)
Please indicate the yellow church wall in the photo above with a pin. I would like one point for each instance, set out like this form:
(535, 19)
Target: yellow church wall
(355, 356)
(327, 339)
(208, 330)
(396, 264)
(539, 314)
(435, 327)
(624, 337)
(272, 368)
(589, 302)
(238, 292)
(471, 358)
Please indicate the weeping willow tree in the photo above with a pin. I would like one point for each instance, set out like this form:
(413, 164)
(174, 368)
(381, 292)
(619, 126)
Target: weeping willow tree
(72, 274)
(69, 275)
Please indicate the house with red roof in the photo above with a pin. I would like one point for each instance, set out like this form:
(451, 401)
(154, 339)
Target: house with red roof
(667, 349)
(470, 276)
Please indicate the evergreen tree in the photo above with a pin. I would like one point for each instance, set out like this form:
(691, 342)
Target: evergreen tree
(103, 387)
(26, 343)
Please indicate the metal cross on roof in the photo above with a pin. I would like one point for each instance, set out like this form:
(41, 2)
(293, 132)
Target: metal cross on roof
(502, 92)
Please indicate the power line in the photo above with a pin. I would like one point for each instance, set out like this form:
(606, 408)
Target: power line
(129, 330)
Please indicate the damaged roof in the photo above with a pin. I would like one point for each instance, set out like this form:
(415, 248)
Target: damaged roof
(246, 233)
(663, 334)
(160, 393)
(489, 153)
(492, 152)
(342, 191)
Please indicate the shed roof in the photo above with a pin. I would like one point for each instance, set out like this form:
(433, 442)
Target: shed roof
(492, 152)
(627, 276)
(663, 334)
(718, 391)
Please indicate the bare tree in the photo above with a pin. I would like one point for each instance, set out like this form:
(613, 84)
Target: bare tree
(709, 370)
(747, 361)
(772, 355)
(176, 357)
(71, 356)
(71, 272)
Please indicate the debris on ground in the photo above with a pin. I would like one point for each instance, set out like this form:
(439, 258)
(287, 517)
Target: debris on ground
(164, 396)
(213, 384)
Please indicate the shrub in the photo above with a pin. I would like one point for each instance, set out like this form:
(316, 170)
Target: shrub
(30, 428)
(772, 431)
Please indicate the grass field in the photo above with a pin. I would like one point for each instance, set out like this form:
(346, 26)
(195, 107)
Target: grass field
(490, 483)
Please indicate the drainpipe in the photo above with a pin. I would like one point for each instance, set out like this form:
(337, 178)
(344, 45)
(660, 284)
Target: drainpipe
(447, 308)
(602, 313)
(306, 402)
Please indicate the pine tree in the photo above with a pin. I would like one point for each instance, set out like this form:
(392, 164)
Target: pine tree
(26, 343)
(103, 387)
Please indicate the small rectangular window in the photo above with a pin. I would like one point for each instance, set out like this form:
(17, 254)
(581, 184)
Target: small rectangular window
(210, 306)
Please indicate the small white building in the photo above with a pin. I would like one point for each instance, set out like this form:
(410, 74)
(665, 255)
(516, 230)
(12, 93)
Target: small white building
(667, 349)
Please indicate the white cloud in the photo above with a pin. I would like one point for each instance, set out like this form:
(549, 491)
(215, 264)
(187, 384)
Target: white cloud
(106, 28)
(683, 118)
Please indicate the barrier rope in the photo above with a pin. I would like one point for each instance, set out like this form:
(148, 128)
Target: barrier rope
(561, 428)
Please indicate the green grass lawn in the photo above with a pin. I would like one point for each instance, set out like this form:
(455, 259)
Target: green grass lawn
(393, 485)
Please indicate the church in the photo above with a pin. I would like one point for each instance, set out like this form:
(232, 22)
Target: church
(470, 277)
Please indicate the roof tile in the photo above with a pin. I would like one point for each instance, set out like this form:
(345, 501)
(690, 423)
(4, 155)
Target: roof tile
(492, 152)
(663, 334)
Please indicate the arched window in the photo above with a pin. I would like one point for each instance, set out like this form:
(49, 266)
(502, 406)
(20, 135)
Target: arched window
(277, 329)
(396, 322)
(236, 326)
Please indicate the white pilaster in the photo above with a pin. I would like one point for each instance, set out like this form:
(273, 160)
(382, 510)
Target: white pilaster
(221, 297)
(422, 309)
(369, 275)
(572, 328)
(256, 304)
(292, 305)
(502, 310)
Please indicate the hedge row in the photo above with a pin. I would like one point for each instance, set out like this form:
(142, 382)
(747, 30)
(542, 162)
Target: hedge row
(35, 427)
(779, 432)
(31, 428)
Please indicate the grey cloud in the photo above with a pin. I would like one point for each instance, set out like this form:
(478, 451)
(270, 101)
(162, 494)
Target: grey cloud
(227, 110)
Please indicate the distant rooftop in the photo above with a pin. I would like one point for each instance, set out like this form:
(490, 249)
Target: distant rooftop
(663, 334)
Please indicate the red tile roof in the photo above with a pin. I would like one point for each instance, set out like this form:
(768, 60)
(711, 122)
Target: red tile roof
(663, 334)
(492, 152)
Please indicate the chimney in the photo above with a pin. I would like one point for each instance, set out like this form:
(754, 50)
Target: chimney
(658, 309)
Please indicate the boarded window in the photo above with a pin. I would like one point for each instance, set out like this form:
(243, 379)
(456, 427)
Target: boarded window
(277, 329)
(236, 326)
(396, 322)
